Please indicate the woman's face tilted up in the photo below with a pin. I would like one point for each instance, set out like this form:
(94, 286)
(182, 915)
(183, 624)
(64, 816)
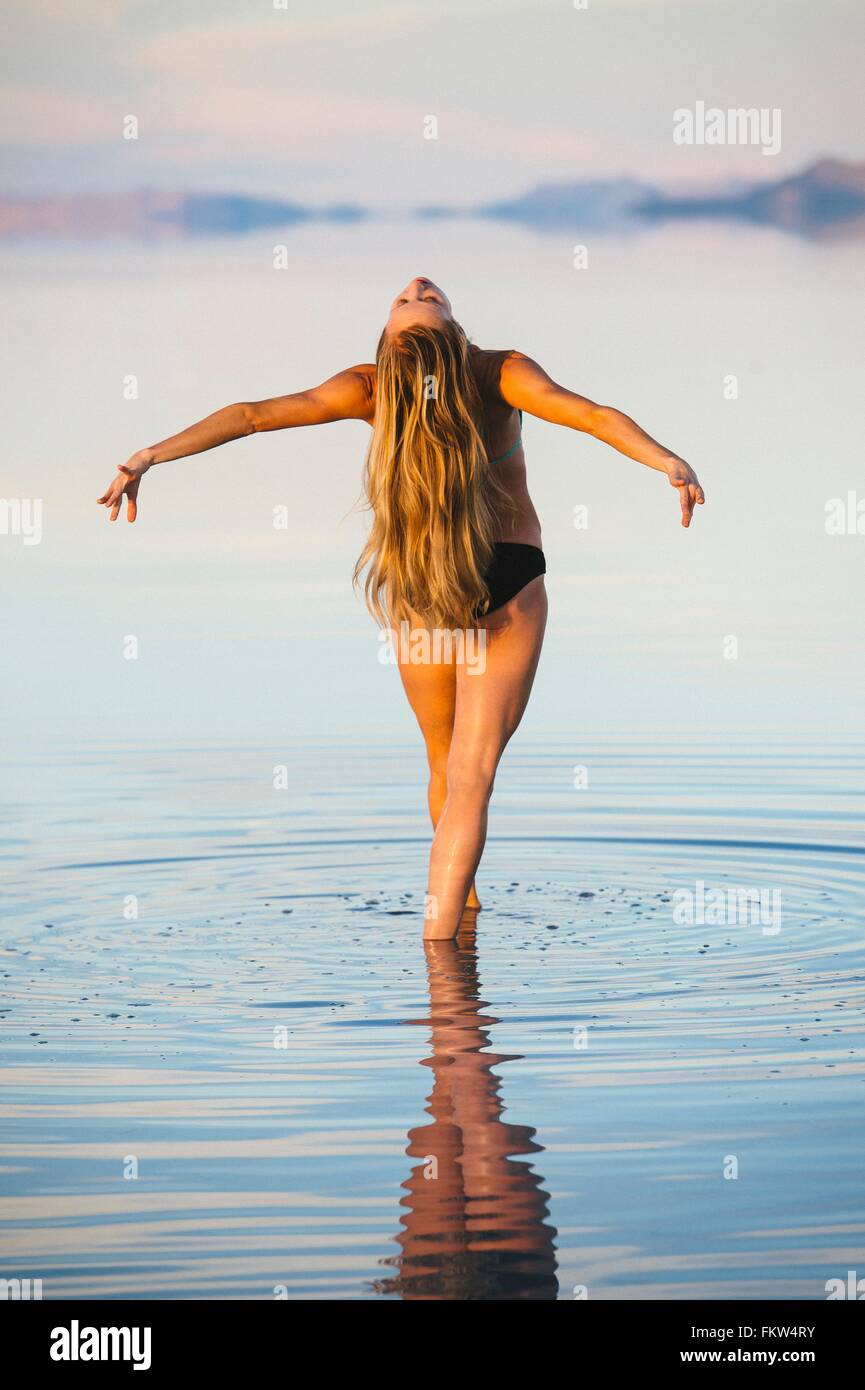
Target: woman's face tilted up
(421, 302)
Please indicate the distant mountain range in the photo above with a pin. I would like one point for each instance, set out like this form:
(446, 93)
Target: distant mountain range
(587, 205)
(825, 201)
(157, 216)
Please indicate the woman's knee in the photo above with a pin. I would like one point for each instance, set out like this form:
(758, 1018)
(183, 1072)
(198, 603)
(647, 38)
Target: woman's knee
(471, 777)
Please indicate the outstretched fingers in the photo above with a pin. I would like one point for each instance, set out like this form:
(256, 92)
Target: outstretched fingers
(112, 498)
(690, 496)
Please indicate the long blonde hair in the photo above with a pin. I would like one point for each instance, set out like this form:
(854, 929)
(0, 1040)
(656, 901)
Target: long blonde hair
(428, 482)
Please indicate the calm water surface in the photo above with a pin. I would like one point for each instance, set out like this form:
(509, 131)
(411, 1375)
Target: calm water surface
(318, 1107)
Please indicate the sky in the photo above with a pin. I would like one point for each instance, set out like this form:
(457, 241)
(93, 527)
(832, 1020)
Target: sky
(325, 102)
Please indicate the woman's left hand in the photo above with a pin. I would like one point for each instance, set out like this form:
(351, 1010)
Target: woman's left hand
(682, 476)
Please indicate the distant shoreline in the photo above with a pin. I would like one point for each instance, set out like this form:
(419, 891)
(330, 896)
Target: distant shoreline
(825, 201)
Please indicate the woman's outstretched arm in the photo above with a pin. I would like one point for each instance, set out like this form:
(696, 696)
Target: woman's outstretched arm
(526, 386)
(346, 396)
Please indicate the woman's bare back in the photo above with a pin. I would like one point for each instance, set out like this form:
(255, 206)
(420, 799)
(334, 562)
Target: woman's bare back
(501, 428)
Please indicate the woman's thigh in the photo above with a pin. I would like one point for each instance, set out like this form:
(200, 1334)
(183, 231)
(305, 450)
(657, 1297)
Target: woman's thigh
(490, 703)
(430, 686)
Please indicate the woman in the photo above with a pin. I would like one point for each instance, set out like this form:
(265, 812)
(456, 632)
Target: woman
(455, 542)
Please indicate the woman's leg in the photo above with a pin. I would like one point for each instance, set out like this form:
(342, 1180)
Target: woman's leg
(488, 708)
(431, 691)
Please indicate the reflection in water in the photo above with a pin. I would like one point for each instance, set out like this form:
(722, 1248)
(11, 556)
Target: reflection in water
(474, 1225)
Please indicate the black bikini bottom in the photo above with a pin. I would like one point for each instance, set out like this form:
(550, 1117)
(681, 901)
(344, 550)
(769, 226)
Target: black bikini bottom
(513, 567)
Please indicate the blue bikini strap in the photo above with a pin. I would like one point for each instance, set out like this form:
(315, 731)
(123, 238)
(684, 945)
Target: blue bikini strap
(514, 447)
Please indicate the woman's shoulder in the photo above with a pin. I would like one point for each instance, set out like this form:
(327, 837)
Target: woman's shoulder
(487, 363)
(490, 356)
(365, 374)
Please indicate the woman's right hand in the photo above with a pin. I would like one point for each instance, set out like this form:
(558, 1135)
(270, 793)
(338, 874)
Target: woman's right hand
(127, 481)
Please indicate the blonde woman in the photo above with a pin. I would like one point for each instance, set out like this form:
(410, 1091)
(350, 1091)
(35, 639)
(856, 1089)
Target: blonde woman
(455, 541)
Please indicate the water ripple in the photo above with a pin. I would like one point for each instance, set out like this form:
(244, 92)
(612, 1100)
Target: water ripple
(313, 1103)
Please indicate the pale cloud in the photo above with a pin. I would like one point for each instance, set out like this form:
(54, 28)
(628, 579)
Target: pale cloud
(83, 14)
(305, 123)
(296, 118)
(268, 102)
(33, 115)
(189, 50)
(523, 90)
